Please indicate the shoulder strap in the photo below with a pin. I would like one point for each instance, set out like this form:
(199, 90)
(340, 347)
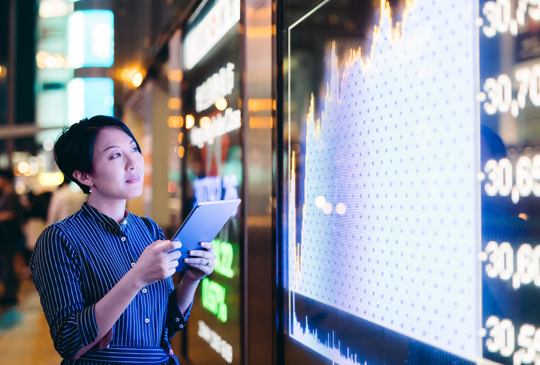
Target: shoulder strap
(149, 226)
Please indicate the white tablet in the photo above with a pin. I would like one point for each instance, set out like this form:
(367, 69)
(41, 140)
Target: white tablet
(202, 225)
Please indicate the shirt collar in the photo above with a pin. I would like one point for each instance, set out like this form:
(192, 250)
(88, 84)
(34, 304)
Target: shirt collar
(103, 218)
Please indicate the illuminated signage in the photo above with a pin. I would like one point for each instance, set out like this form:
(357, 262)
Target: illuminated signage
(221, 123)
(216, 342)
(214, 188)
(213, 298)
(91, 38)
(224, 258)
(212, 154)
(54, 8)
(216, 86)
(90, 96)
(204, 36)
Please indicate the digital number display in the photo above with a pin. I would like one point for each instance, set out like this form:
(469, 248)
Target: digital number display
(413, 177)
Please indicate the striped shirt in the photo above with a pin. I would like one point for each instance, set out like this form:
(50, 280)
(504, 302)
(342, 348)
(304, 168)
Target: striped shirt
(76, 262)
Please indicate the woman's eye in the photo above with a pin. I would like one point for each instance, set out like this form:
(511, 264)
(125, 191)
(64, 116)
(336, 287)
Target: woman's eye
(115, 155)
(134, 149)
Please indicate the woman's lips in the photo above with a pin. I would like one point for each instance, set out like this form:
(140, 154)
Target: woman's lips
(133, 179)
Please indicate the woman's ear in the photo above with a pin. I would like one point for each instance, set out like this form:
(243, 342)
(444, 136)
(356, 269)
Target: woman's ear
(83, 178)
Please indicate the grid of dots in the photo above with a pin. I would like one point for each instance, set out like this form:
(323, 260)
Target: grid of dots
(397, 146)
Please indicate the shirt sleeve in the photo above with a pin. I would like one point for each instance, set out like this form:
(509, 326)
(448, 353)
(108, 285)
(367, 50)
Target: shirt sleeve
(175, 320)
(56, 272)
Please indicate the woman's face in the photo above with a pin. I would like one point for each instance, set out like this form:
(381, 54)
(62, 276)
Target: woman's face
(118, 167)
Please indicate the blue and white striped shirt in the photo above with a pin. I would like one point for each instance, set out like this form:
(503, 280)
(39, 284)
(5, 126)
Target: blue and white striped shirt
(76, 262)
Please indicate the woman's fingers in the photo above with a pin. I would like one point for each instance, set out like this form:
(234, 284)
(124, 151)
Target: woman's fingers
(209, 246)
(174, 255)
(198, 261)
(199, 253)
(206, 270)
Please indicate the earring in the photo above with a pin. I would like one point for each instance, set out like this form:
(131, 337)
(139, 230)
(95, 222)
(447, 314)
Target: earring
(89, 190)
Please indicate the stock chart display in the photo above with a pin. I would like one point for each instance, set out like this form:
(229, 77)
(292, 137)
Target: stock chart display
(413, 155)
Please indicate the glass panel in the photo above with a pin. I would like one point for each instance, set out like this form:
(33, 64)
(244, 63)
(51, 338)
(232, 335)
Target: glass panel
(212, 163)
(412, 182)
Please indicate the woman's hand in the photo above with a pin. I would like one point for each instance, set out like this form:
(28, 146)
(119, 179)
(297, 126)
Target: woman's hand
(157, 262)
(202, 262)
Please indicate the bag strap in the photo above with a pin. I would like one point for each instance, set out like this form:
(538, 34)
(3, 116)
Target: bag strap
(149, 226)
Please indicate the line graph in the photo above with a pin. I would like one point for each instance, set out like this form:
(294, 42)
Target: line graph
(376, 240)
(394, 34)
(329, 347)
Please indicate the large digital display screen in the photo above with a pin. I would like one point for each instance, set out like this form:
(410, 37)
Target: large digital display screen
(211, 152)
(413, 176)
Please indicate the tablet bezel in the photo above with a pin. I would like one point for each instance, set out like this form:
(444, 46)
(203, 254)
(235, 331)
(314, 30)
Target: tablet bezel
(189, 246)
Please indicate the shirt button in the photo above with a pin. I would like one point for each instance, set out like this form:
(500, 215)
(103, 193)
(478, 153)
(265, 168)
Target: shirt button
(177, 319)
(123, 238)
(181, 326)
(124, 222)
(132, 264)
(144, 290)
(146, 320)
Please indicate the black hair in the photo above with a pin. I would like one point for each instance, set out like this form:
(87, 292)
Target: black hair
(7, 174)
(74, 147)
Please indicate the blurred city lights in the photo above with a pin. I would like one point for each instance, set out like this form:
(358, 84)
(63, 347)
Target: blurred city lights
(181, 151)
(23, 167)
(174, 103)
(255, 105)
(91, 38)
(180, 137)
(175, 121)
(137, 79)
(221, 104)
(20, 187)
(48, 60)
(54, 8)
(190, 121)
(205, 122)
(51, 178)
(48, 145)
(172, 187)
(51, 62)
(133, 76)
(175, 75)
(41, 59)
(60, 61)
(34, 169)
(90, 96)
(42, 160)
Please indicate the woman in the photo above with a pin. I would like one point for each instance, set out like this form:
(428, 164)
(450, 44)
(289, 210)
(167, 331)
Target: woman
(104, 274)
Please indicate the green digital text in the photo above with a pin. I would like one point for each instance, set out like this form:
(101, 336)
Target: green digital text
(213, 298)
(224, 258)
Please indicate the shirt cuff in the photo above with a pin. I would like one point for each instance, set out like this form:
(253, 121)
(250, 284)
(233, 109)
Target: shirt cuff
(175, 314)
(87, 325)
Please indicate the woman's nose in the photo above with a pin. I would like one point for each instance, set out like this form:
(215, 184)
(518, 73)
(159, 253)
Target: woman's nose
(131, 163)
